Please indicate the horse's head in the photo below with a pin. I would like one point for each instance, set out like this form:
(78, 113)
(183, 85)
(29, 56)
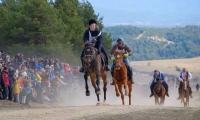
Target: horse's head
(185, 80)
(119, 55)
(90, 53)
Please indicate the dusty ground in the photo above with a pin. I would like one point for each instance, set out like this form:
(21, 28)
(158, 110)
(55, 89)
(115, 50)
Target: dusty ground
(102, 113)
(143, 107)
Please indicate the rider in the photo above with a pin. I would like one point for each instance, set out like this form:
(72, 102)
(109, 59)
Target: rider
(182, 77)
(120, 45)
(156, 77)
(93, 34)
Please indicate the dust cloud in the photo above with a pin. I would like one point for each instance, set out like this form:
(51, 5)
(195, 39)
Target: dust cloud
(74, 93)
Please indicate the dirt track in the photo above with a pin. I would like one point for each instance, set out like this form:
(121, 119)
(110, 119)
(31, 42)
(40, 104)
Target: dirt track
(102, 113)
(85, 109)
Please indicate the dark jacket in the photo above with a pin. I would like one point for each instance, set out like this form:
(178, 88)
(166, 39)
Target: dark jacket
(161, 77)
(125, 48)
(93, 36)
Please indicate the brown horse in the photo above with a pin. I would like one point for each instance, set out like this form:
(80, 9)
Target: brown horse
(95, 68)
(159, 93)
(120, 77)
(184, 91)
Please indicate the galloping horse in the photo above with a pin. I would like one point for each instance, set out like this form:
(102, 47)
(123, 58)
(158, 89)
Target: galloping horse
(159, 93)
(120, 77)
(95, 68)
(184, 93)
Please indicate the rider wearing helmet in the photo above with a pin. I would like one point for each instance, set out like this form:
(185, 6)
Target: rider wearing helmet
(94, 35)
(120, 45)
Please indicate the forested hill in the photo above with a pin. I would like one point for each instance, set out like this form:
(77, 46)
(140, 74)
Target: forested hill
(159, 43)
(46, 27)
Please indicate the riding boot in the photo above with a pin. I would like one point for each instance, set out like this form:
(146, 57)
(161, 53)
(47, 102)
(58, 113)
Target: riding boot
(167, 92)
(106, 58)
(130, 73)
(151, 93)
(179, 92)
(151, 87)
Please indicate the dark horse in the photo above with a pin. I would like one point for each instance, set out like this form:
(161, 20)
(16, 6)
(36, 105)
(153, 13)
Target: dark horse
(159, 93)
(94, 66)
(184, 91)
(120, 77)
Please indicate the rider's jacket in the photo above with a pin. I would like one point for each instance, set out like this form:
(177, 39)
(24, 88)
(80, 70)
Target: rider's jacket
(182, 76)
(161, 77)
(125, 48)
(93, 36)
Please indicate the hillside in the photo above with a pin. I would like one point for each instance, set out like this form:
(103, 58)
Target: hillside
(150, 43)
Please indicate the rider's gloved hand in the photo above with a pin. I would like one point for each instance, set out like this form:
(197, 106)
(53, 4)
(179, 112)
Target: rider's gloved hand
(113, 58)
(126, 55)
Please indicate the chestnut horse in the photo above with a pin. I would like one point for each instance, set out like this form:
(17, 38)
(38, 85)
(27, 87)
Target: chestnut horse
(120, 77)
(95, 68)
(159, 93)
(184, 93)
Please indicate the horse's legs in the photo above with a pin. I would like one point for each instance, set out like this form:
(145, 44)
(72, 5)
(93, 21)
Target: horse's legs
(121, 92)
(130, 90)
(156, 100)
(162, 100)
(104, 77)
(93, 80)
(98, 91)
(126, 87)
(187, 100)
(86, 85)
(116, 89)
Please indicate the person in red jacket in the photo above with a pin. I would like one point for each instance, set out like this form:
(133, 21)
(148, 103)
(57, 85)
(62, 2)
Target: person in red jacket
(6, 83)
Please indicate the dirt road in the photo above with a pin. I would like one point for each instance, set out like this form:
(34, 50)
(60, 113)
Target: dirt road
(101, 113)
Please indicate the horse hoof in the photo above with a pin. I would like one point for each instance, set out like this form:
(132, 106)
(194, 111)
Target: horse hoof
(87, 93)
(98, 104)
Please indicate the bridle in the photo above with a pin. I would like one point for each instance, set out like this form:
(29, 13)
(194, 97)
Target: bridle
(118, 59)
(89, 58)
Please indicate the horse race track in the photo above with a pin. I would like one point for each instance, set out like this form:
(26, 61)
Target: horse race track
(84, 107)
(101, 113)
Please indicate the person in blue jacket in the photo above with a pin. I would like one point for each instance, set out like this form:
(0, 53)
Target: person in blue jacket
(156, 77)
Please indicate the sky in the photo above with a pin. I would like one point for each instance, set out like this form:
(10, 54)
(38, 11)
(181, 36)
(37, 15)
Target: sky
(159, 13)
